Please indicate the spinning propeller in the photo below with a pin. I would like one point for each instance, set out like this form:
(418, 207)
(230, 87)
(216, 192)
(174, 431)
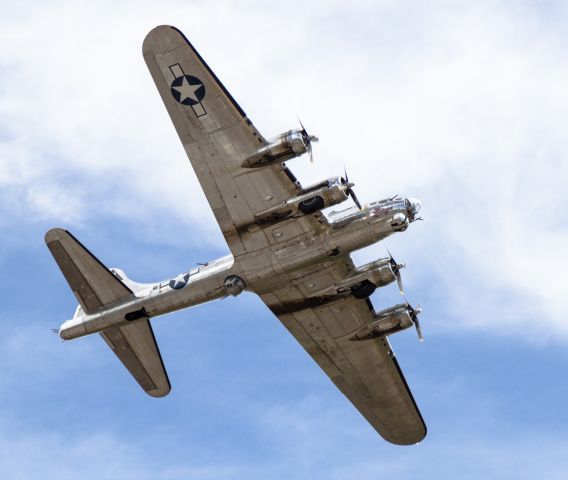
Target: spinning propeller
(349, 190)
(414, 312)
(308, 139)
(396, 270)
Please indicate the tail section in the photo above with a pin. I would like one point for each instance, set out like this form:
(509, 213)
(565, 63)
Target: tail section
(96, 287)
(135, 346)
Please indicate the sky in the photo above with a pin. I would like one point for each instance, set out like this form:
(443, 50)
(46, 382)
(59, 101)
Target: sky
(461, 104)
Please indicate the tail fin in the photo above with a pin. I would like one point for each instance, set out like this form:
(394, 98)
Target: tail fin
(95, 287)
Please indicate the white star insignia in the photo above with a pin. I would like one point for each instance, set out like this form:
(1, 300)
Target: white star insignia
(188, 91)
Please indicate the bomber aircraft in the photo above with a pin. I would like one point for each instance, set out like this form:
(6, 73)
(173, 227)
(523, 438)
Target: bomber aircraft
(283, 248)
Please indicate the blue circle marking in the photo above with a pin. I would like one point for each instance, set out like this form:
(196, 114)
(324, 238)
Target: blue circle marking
(179, 282)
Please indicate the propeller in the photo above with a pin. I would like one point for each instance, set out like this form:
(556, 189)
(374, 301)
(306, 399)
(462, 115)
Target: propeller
(349, 190)
(396, 270)
(308, 139)
(414, 312)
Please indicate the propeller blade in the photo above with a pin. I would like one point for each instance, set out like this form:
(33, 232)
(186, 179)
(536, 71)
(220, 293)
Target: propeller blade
(351, 193)
(418, 329)
(356, 200)
(308, 139)
(349, 190)
(399, 281)
(414, 312)
(396, 270)
(418, 311)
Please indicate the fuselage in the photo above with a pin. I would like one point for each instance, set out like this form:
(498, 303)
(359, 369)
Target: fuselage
(259, 271)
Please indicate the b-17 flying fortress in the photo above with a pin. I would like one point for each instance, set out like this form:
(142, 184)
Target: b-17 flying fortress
(283, 248)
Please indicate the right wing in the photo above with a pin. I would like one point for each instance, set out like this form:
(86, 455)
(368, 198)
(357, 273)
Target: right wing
(217, 137)
(366, 372)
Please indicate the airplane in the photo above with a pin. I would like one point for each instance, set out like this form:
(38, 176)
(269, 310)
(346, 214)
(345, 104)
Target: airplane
(283, 248)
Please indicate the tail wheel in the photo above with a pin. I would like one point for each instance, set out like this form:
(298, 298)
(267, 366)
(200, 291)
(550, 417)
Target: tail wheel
(363, 289)
(311, 205)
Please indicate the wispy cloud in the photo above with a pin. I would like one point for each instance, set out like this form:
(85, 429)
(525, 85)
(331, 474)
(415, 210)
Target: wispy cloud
(467, 111)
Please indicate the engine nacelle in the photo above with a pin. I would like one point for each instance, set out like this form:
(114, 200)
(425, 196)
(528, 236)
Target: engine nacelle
(386, 322)
(363, 281)
(309, 200)
(290, 144)
(321, 195)
(380, 272)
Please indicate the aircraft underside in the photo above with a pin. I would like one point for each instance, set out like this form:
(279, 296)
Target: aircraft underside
(283, 248)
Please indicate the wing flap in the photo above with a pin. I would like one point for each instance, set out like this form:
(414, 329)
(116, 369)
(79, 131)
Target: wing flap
(136, 347)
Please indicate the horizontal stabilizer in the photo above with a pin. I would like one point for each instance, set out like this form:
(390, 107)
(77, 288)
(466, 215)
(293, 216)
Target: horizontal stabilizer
(94, 285)
(136, 347)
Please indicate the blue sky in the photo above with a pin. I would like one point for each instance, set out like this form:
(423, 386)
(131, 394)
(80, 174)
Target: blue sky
(461, 105)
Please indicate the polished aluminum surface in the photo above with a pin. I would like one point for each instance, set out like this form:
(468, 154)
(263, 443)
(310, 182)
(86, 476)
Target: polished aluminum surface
(297, 260)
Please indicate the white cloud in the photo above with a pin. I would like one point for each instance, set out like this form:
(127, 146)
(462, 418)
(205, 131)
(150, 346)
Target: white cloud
(306, 439)
(463, 104)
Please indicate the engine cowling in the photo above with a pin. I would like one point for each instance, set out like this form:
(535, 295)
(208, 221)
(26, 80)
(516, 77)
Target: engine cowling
(386, 322)
(381, 272)
(290, 144)
(363, 281)
(310, 200)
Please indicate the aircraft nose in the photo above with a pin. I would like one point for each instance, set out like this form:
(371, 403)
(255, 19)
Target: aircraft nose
(413, 206)
(416, 204)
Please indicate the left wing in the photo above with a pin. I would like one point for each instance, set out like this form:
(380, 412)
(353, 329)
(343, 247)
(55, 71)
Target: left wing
(367, 372)
(218, 137)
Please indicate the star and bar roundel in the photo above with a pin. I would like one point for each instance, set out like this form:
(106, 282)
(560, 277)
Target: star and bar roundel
(188, 90)
(180, 281)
